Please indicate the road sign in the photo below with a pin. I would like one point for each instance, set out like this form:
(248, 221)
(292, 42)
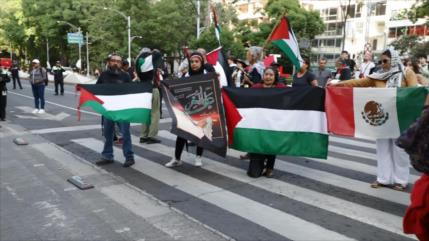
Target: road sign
(75, 38)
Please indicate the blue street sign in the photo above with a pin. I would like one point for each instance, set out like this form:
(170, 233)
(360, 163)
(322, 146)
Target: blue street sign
(74, 38)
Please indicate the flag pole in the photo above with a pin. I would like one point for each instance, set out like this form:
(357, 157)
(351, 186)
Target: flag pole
(272, 31)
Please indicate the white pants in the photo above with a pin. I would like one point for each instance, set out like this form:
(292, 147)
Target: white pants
(392, 163)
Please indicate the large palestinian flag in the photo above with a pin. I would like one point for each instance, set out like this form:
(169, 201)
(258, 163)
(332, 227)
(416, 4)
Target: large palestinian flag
(288, 121)
(284, 38)
(130, 102)
(373, 113)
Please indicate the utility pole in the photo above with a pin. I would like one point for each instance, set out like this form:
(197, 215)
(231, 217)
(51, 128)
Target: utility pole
(47, 53)
(87, 55)
(198, 18)
(80, 49)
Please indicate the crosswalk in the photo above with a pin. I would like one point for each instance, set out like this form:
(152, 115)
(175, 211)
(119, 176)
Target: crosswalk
(309, 199)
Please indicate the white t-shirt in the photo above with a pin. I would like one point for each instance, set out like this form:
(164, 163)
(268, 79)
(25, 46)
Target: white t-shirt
(366, 67)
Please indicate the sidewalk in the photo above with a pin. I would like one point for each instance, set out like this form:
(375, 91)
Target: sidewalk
(37, 202)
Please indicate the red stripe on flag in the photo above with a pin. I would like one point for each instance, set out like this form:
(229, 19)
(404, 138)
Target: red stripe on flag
(85, 96)
(282, 30)
(339, 110)
(213, 56)
(232, 116)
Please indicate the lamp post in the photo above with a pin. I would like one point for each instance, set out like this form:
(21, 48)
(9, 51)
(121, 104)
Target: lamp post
(128, 18)
(79, 31)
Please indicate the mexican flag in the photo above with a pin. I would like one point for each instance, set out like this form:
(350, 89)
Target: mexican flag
(372, 113)
(284, 38)
(128, 102)
(289, 121)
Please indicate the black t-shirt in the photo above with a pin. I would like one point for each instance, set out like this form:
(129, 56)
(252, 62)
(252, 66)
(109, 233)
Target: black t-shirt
(304, 80)
(111, 77)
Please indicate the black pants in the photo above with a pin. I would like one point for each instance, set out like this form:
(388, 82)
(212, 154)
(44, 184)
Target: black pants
(3, 100)
(61, 83)
(270, 159)
(16, 78)
(180, 144)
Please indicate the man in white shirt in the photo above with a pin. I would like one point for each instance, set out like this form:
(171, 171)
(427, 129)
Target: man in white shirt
(366, 66)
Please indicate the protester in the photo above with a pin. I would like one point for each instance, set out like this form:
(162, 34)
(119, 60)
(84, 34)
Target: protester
(270, 80)
(349, 62)
(366, 66)
(38, 79)
(15, 75)
(207, 66)
(414, 66)
(424, 69)
(149, 132)
(58, 71)
(126, 68)
(256, 66)
(4, 78)
(322, 74)
(304, 77)
(114, 75)
(392, 162)
(415, 142)
(343, 70)
(239, 72)
(232, 63)
(196, 67)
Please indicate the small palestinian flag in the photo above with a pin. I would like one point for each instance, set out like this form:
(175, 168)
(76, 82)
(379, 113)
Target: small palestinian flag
(217, 59)
(289, 121)
(128, 102)
(216, 24)
(372, 113)
(284, 38)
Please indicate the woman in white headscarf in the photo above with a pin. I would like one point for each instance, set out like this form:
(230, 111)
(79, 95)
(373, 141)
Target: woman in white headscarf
(392, 161)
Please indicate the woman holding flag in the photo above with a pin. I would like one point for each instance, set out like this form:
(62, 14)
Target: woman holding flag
(257, 160)
(196, 67)
(392, 162)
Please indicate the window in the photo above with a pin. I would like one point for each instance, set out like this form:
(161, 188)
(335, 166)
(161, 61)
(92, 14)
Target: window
(392, 32)
(374, 44)
(359, 10)
(332, 14)
(379, 9)
(315, 43)
(338, 42)
(340, 28)
(351, 11)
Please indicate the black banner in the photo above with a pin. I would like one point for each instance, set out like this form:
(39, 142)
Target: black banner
(195, 106)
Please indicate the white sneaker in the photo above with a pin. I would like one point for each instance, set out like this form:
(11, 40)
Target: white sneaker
(198, 161)
(41, 111)
(174, 163)
(35, 111)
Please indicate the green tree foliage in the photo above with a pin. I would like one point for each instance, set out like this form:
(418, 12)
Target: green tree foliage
(406, 43)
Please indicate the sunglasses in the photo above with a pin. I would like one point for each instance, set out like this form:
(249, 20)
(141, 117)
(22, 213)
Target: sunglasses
(385, 61)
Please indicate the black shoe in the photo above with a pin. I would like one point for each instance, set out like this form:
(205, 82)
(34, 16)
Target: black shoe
(62, 93)
(143, 139)
(20, 88)
(56, 94)
(103, 161)
(2, 119)
(14, 88)
(129, 162)
(152, 140)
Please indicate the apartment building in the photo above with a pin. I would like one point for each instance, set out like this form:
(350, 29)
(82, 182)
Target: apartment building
(373, 22)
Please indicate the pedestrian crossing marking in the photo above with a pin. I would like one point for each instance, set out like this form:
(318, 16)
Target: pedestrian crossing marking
(326, 177)
(275, 220)
(348, 209)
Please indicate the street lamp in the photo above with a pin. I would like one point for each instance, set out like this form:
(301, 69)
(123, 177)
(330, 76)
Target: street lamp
(79, 31)
(128, 18)
(133, 37)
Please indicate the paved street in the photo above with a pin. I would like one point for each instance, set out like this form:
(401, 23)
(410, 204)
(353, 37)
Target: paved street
(309, 199)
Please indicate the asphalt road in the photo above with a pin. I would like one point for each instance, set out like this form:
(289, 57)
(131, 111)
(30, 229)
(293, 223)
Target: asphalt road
(309, 199)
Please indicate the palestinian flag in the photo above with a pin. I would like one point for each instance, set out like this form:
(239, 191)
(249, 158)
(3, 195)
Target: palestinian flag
(216, 24)
(284, 38)
(130, 102)
(144, 62)
(289, 121)
(220, 64)
(373, 113)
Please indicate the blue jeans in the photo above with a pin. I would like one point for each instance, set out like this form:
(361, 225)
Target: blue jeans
(108, 132)
(39, 95)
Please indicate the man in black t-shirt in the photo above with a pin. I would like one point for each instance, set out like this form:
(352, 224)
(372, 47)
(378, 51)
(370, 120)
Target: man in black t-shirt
(114, 75)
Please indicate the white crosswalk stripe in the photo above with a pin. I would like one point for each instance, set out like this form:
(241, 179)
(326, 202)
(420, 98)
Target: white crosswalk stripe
(273, 218)
(358, 212)
(270, 218)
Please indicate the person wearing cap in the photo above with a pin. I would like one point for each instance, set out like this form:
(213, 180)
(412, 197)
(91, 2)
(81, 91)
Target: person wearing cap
(38, 79)
(147, 69)
(114, 75)
(196, 67)
(58, 71)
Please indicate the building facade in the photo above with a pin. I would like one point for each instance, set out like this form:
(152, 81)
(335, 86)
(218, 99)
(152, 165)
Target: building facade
(375, 23)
